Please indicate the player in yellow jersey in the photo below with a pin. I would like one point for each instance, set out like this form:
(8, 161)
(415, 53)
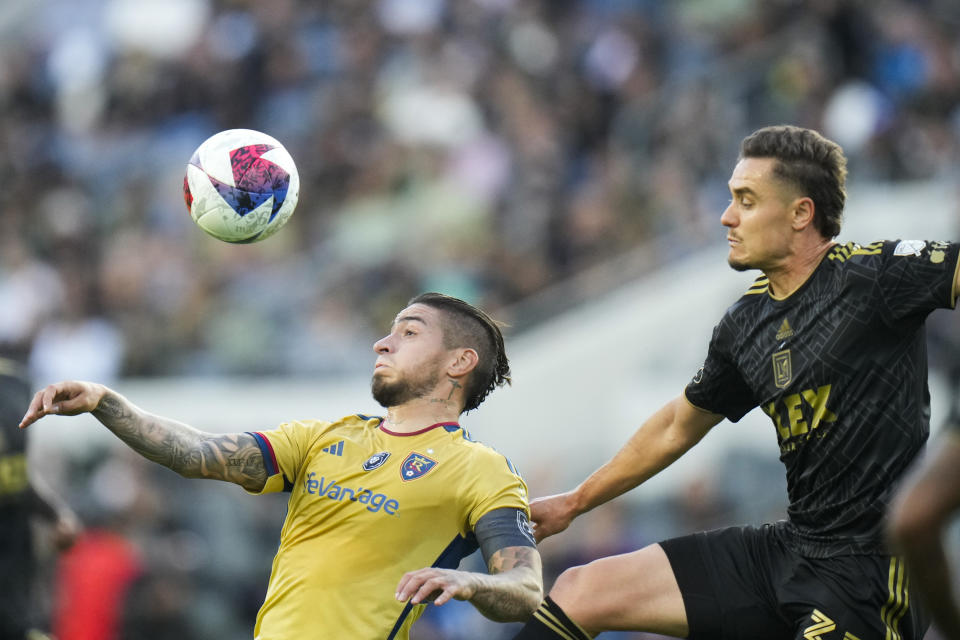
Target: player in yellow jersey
(381, 509)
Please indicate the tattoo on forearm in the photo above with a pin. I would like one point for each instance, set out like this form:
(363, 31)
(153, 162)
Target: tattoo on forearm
(191, 453)
(514, 599)
(235, 458)
(510, 558)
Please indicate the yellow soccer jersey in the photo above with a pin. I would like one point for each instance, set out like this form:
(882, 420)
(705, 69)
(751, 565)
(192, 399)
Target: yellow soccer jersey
(366, 506)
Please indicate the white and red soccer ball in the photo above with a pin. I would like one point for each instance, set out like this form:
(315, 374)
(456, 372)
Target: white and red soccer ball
(241, 186)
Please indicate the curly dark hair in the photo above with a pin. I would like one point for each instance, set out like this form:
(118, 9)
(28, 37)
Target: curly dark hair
(467, 326)
(812, 163)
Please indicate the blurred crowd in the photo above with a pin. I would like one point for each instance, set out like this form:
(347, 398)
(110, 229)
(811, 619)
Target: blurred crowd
(486, 148)
(489, 149)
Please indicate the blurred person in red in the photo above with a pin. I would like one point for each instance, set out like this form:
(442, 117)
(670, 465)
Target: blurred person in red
(93, 580)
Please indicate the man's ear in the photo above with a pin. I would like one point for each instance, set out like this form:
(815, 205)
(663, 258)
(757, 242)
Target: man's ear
(465, 361)
(803, 213)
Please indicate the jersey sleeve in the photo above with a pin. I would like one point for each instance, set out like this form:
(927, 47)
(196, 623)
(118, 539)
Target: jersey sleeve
(496, 485)
(284, 450)
(917, 276)
(718, 386)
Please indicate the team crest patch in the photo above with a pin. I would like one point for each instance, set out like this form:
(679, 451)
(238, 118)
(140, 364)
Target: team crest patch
(782, 368)
(416, 465)
(376, 460)
(909, 248)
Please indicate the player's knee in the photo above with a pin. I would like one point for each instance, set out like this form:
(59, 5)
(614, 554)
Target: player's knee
(570, 586)
(569, 593)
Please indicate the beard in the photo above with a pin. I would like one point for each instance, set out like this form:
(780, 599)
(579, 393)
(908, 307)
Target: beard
(737, 265)
(396, 392)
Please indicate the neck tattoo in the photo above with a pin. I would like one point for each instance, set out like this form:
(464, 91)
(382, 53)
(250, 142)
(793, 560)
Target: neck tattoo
(456, 385)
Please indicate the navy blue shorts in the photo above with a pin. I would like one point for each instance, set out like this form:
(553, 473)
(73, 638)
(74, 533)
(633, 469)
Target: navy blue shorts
(743, 583)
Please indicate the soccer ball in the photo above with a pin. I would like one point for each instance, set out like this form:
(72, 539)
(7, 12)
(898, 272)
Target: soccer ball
(241, 186)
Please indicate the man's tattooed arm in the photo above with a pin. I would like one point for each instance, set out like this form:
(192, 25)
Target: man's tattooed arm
(191, 453)
(514, 587)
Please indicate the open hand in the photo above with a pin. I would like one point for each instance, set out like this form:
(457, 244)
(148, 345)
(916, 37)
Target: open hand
(63, 399)
(436, 585)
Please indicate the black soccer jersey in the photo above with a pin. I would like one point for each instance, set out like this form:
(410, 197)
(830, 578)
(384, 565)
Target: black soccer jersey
(16, 558)
(840, 367)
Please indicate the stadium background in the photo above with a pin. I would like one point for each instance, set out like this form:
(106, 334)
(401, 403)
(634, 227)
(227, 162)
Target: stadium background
(561, 163)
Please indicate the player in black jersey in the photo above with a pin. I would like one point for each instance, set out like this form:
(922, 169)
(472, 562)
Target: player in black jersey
(20, 501)
(829, 342)
(922, 509)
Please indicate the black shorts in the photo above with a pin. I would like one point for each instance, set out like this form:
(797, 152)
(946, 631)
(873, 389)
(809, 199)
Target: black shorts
(743, 583)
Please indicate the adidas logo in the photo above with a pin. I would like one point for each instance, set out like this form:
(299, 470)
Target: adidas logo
(336, 448)
(785, 331)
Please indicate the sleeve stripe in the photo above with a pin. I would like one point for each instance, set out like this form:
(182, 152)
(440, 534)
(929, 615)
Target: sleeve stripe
(269, 457)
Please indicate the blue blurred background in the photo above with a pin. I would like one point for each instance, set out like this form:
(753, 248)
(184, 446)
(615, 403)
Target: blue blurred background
(561, 163)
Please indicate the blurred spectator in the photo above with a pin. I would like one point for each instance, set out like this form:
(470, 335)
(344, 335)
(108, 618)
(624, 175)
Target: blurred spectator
(547, 137)
(30, 286)
(93, 581)
(133, 572)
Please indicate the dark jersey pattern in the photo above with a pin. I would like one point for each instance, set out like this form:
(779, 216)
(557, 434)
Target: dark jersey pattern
(16, 559)
(840, 367)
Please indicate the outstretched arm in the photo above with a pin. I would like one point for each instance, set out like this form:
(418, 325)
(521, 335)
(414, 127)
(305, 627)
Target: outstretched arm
(921, 511)
(663, 438)
(191, 453)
